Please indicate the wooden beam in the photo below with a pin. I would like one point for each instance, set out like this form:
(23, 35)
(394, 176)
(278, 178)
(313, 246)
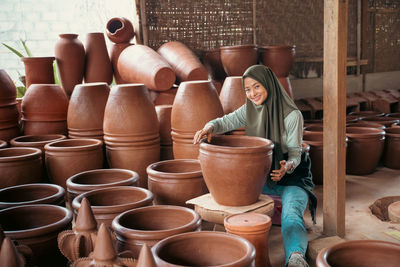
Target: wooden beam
(334, 83)
(254, 22)
(137, 23)
(358, 36)
(143, 20)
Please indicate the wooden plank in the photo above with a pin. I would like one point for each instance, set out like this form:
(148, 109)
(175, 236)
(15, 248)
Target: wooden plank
(334, 83)
(254, 22)
(351, 61)
(143, 19)
(364, 39)
(358, 36)
(137, 23)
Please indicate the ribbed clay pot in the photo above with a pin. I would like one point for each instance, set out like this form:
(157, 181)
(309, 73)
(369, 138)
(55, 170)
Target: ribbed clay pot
(71, 156)
(107, 203)
(37, 226)
(70, 57)
(3, 144)
(28, 194)
(141, 64)
(391, 154)
(38, 70)
(386, 121)
(148, 225)
(204, 249)
(120, 30)
(242, 162)
(364, 150)
(8, 92)
(9, 126)
(20, 165)
(115, 51)
(315, 140)
(173, 182)
(371, 253)
(183, 61)
(195, 104)
(232, 94)
(279, 58)
(213, 64)
(236, 59)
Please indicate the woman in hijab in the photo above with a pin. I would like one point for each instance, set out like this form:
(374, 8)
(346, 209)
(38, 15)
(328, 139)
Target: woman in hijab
(270, 113)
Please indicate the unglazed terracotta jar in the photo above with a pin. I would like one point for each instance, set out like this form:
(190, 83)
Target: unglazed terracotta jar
(37, 227)
(38, 70)
(391, 154)
(115, 51)
(232, 94)
(236, 59)
(242, 162)
(141, 64)
(120, 30)
(8, 92)
(213, 64)
(315, 140)
(195, 104)
(148, 225)
(360, 253)
(204, 249)
(20, 165)
(279, 58)
(109, 202)
(173, 182)
(70, 57)
(164, 119)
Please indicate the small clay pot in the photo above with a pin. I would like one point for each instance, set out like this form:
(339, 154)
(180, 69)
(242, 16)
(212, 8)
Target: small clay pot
(315, 140)
(38, 70)
(279, 58)
(391, 154)
(37, 141)
(236, 59)
(232, 94)
(148, 225)
(120, 30)
(213, 64)
(3, 144)
(8, 91)
(29, 194)
(9, 133)
(387, 121)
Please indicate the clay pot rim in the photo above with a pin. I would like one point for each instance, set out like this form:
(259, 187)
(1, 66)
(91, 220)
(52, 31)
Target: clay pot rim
(266, 145)
(95, 34)
(366, 132)
(366, 124)
(128, 85)
(305, 146)
(3, 144)
(68, 35)
(393, 131)
(112, 20)
(381, 119)
(195, 82)
(30, 59)
(254, 228)
(31, 153)
(91, 144)
(277, 47)
(151, 171)
(90, 85)
(368, 113)
(235, 47)
(166, 106)
(52, 137)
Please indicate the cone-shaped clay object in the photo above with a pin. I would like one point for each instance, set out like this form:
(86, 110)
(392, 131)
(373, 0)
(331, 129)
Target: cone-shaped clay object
(146, 258)
(85, 221)
(9, 256)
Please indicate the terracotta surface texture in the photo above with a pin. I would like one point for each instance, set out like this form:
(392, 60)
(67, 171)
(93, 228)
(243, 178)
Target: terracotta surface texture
(146, 258)
(236, 59)
(120, 30)
(164, 119)
(9, 255)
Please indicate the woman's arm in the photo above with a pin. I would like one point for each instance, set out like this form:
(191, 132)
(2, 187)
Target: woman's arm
(294, 137)
(229, 122)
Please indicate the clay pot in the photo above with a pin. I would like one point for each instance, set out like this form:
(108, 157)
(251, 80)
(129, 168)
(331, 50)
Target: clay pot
(166, 152)
(254, 227)
(70, 57)
(20, 166)
(386, 121)
(38, 70)
(3, 144)
(391, 154)
(148, 225)
(37, 227)
(195, 104)
(37, 141)
(164, 97)
(141, 64)
(173, 182)
(279, 58)
(204, 249)
(213, 64)
(360, 253)
(71, 156)
(397, 124)
(183, 61)
(236, 59)
(120, 30)
(314, 128)
(8, 91)
(9, 126)
(131, 130)
(164, 119)
(365, 124)
(29, 194)
(315, 140)
(242, 162)
(107, 203)
(394, 212)
(115, 51)
(393, 115)
(232, 94)
(365, 147)
(285, 82)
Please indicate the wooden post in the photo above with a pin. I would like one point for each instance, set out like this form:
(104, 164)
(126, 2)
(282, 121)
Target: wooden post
(137, 23)
(334, 83)
(255, 22)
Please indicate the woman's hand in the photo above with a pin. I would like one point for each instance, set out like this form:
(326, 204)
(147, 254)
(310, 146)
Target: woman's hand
(276, 175)
(206, 131)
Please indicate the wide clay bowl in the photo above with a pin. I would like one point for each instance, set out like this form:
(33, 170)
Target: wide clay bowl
(360, 253)
(204, 249)
(235, 167)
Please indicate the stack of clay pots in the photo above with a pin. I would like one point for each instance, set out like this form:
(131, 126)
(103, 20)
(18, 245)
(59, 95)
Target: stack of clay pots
(9, 127)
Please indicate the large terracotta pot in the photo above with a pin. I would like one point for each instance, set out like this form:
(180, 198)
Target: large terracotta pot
(232, 94)
(195, 104)
(204, 249)
(279, 58)
(107, 203)
(120, 30)
(371, 253)
(8, 92)
(315, 140)
(391, 154)
(38, 70)
(242, 162)
(213, 64)
(37, 141)
(70, 57)
(115, 51)
(37, 226)
(173, 182)
(28, 194)
(148, 225)
(236, 59)
(386, 121)
(20, 165)
(9, 126)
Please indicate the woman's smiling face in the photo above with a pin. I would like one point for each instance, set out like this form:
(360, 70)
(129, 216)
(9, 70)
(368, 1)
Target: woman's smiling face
(255, 91)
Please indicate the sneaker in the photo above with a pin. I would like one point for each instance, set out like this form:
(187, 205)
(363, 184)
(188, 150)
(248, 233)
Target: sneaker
(297, 260)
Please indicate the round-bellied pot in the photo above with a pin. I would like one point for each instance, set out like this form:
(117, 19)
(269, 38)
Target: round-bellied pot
(204, 249)
(115, 51)
(37, 226)
(107, 203)
(120, 30)
(279, 58)
(71, 156)
(148, 225)
(29, 194)
(37, 141)
(20, 165)
(364, 150)
(391, 154)
(315, 140)
(8, 91)
(236, 59)
(386, 121)
(173, 182)
(242, 162)
(232, 95)
(3, 144)
(38, 70)
(213, 64)
(360, 253)
(96, 179)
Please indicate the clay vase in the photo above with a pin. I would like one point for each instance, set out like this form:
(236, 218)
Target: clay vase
(9, 126)
(86, 110)
(372, 253)
(28, 194)
(364, 150)
(236, 59)
(279, 58)
(20, 165)
(195, 104)
(8, 92)
(254, 227)
(120, 30)
(164, 119)
(3, 144)
(109, 202)
(141, 64)
(242, 162)
(173, 182)
(204, 249)
(131, 130)
(38, 70)
(183, 61)
(70, 57)
(115, 51)
(213, 64)
(232, 94)
(315, 140)
(37, 227)
(386, 121)
(71, 156)
(391, 154)
(148, 225)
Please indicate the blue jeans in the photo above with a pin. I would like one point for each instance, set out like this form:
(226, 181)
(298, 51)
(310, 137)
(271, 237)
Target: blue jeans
(294, 203)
